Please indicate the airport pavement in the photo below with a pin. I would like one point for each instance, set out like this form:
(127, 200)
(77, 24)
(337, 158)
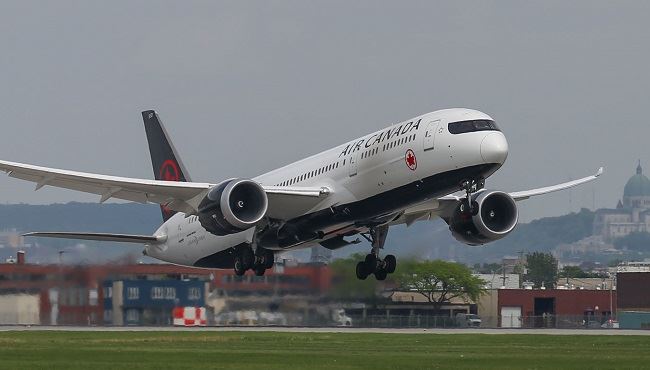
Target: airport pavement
(331, 330)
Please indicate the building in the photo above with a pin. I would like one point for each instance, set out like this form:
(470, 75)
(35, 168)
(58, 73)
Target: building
(73, 295)
(632, 214)
(558, 308)
(511, 264)
(150, 302)
(20, 309)
(586, 283)
(633, 266)
(633, 300)
(500, 281)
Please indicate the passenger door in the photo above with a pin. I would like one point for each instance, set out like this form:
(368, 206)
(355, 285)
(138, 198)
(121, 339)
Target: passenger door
(353, 164)
(430, 134)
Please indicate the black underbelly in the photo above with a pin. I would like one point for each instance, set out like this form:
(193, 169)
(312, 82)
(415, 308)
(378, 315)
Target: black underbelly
(308, 227)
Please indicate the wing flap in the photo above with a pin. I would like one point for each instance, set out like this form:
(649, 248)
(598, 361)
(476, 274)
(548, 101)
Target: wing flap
(120, 238)
(289, 202)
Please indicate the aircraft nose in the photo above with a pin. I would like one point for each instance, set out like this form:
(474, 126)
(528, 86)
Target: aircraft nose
(494, 148)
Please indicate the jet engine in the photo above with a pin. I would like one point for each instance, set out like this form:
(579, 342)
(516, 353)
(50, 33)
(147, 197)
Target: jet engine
(233, 206)
(492, 216)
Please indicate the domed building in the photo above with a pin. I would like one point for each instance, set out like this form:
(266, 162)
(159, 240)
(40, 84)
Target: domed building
(631, 215)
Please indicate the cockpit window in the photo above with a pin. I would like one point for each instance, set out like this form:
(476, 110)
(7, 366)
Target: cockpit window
(471, 126)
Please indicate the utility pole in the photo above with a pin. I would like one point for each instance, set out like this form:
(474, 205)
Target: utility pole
(611, 303)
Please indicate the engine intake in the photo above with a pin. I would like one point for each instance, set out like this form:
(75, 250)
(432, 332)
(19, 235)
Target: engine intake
(233, 206)
(494, 215)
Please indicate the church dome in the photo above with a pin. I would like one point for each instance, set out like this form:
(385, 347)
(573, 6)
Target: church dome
(638, 185)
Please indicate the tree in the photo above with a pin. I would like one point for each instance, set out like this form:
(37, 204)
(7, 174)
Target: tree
(346, 286)
(542, 268)
(439, 281)
(573, 272)
(577, 272)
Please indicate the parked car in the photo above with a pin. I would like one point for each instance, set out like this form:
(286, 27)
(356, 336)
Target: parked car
(610, 324)
(468, 320)
(341, 318)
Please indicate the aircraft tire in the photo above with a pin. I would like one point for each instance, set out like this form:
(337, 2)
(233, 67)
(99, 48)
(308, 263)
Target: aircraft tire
(371, 263)
(362, 272)
(269, 259)
(247, 258)
(391, 263)
(239, 267)
(381, 274)
(259, 271)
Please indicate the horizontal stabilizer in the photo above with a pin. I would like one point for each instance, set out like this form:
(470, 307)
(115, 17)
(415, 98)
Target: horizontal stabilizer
(120, 238)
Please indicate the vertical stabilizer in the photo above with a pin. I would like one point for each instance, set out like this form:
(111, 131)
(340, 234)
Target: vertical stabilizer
(167, 165)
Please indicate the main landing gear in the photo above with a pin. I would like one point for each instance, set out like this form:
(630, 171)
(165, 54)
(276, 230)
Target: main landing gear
(258, 261)
(373, 264)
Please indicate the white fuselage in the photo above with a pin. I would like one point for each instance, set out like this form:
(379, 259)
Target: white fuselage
(419, 150)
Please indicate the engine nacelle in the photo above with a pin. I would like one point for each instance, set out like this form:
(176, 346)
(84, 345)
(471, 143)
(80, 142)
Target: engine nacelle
(494, 215)
(233, 206)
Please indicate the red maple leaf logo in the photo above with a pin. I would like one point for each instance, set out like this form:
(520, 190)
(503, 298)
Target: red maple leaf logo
(411, 161)
(169, 171)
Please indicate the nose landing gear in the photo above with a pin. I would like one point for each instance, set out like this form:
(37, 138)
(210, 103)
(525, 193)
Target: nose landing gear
(373, 264)
(470, 187)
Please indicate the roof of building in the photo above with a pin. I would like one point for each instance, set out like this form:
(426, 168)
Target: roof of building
(638, 185)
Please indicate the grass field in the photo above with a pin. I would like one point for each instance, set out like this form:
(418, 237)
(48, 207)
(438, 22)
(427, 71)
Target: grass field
(251, 350)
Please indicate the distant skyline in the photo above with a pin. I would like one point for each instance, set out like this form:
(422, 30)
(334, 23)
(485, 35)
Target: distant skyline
(247, 86)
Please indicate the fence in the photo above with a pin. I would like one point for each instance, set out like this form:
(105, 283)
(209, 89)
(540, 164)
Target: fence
(253, 318)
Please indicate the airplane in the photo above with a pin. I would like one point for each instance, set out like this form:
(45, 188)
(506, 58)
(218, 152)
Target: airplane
(433, 165)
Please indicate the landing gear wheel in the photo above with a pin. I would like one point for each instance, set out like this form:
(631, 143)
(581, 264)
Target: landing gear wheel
(260, 270)
(362, 272)
(247, 258)
(371, 263)
(239, 267)
(381, 275)
(269, 258)
(390, 263)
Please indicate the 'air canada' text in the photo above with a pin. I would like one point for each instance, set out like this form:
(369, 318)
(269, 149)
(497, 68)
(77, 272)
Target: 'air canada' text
(378, 138)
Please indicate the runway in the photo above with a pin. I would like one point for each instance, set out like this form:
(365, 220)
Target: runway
(600, 332)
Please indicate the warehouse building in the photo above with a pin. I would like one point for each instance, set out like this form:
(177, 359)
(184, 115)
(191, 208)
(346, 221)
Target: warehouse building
(634, 300)
(556, 308)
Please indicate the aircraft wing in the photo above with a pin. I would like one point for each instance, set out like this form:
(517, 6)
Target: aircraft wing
(175, 195)
(522, 195)
(444, 206)
(178, 196)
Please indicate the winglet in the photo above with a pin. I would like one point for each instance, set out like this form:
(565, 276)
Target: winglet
(600, 171)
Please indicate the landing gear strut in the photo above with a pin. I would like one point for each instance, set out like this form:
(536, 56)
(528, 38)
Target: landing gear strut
(258, 261)
(373, 264)
(471, 187)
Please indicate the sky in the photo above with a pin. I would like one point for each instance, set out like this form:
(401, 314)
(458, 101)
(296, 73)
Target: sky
(247, 86)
